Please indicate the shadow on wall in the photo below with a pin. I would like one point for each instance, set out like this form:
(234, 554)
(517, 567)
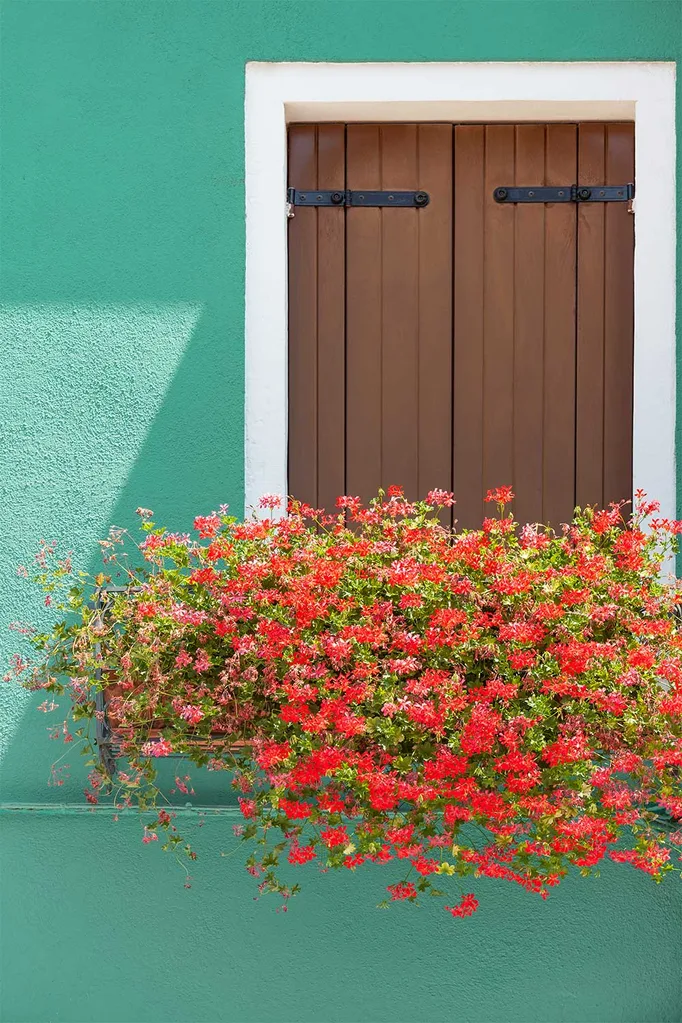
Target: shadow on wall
(108, 409)
(122, 222)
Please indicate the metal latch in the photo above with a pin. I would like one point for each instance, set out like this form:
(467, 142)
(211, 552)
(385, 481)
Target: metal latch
(346, 197)
(566, 193)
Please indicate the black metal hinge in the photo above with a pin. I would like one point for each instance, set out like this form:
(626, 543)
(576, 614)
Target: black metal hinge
(566, 193)
(346, 197)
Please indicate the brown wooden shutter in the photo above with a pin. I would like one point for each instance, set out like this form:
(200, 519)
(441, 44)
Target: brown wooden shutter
(515, 322)
(467, 344)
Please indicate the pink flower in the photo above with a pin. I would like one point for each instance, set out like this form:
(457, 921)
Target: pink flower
(442, 498)
(201, 661)
(160, 748)
(191, 713)
(270, 501)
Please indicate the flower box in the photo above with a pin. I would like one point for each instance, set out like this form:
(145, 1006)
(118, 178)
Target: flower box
(112, 734)
(502, 702)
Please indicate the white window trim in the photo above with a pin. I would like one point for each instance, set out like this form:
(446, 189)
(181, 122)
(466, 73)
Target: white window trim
(279, 93)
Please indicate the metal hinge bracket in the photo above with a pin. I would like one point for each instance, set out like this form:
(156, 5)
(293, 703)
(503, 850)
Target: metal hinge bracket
(346, 197)
(566, 193)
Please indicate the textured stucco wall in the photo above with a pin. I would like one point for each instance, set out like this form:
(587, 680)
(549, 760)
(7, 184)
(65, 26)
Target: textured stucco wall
(97, 927)
(121, 319)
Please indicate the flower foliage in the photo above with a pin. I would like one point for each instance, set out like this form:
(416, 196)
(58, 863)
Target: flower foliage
(503, 702)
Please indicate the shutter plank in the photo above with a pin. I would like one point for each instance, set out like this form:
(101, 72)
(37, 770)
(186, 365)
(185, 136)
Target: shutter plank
(590, 334)
(363, 317)
(560, 324)
(618, 319)
(468, 276)
(435, 253)
(399, 314)
(331, 340)
(302, 439)
(529, 315)
(498, 344)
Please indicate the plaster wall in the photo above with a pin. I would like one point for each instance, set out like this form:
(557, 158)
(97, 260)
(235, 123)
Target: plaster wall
(122, 384)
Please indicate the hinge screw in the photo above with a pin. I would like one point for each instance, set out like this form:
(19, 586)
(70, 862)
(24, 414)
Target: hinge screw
(421, 199)
(336, 198)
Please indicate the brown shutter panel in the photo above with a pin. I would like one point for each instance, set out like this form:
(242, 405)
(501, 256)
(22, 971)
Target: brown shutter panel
(514, 313)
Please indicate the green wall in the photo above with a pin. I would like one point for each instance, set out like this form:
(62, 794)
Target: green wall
(122, 261)
(100, 928)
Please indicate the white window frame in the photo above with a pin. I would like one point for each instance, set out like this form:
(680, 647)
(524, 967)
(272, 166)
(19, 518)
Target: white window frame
(279, 93)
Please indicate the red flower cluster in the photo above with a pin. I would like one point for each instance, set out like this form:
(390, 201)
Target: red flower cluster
(503, 702)
(467, 905)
